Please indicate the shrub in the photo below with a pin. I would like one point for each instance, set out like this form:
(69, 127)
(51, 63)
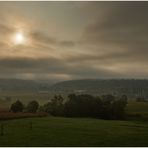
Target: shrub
(55, 106)
(17, 107)
(32, 107)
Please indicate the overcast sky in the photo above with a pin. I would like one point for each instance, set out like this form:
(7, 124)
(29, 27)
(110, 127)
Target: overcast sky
(74, 40)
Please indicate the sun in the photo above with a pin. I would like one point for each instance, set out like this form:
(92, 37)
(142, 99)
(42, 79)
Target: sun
(19, 38)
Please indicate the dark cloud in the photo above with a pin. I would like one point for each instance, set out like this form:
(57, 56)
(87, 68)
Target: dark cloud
(3, 44)
(126, 23)
(124, 28)
(67, 43)
(43, 38)
(6, 29)
(29, 64)
(48, 66)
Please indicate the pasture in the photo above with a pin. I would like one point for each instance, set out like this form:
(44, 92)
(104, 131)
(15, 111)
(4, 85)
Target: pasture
(134, 106)
(56, 131)
(137, 110)
(25, 97)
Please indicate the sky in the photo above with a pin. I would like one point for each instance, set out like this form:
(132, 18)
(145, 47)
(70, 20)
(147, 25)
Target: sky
(74, 40)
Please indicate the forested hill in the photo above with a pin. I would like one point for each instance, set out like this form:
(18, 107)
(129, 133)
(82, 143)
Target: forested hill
(130, 87)
(22, 85)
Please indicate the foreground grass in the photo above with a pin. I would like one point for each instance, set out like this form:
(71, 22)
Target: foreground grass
(55, 131)
(10, 115)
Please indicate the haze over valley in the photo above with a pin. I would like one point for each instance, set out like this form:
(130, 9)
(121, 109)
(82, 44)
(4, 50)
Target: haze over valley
(73, 73)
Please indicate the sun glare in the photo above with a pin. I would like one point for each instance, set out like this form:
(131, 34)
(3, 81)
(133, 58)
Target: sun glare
(19, 38)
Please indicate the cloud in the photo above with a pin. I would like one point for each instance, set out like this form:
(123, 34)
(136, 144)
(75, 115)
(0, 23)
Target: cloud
(125, 24)
(123, 31)
(6, 29)
(49, 67)
(113, 45)
(43, 38)
(28, 64)
(67, 43)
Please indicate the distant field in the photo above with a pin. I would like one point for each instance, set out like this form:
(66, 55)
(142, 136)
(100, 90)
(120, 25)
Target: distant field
(42, 98)
(137, 106)
(25, 97)
(138, 110)
(54, 131)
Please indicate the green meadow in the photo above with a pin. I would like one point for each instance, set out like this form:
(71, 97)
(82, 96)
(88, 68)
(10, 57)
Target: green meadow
(56, 131)
(59, 131)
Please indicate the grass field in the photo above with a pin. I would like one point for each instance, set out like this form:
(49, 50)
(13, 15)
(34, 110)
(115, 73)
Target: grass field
(54, 131)
(137, 110)
(134, 106)
(25, 97)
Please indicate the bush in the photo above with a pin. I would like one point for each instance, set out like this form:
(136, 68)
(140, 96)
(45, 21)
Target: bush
(17, 107)
(32, 107)
(55, 106)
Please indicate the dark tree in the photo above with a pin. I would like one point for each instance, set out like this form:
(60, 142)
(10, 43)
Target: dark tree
(107, 106)
(55, 106)
(83, 106)
(32, 107)
(124, 99)
(17, 107)
(118, 111)
(108, 99)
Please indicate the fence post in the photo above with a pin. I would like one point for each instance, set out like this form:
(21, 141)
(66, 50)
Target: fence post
(2, 129)
(31, 125)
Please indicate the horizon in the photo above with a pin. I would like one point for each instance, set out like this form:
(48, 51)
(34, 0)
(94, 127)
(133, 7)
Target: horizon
(80, 79)
(73, 40)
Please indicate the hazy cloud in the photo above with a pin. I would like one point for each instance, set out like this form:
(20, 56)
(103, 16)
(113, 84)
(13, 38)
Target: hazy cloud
(77, 40)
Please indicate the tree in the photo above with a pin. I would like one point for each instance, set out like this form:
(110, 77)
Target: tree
(83, 105)
(124, 99)
(32, 106)
(108, 99)
(55, 106)
(107, 106)
(118, 109)
(17, 107)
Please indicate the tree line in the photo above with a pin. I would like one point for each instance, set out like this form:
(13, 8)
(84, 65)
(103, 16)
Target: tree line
(18, 106)
(83, 105)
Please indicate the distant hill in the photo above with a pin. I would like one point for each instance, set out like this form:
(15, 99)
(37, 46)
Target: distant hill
(23, 85)
(130, 87)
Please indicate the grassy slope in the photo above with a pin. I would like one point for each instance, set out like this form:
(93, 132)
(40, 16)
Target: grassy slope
(76, 132)
(137, 107)
(138, 110)
(54, 131)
